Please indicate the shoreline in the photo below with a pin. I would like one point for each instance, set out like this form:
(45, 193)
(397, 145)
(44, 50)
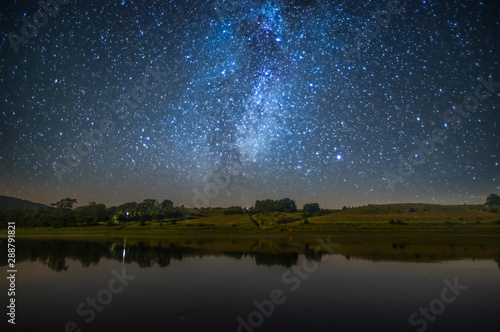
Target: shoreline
(346, 230)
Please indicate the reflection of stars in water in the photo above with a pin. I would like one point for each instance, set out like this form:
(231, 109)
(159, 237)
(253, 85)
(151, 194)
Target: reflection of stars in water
(262, 83)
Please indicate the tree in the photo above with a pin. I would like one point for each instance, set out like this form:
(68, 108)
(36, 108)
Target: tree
(62, 217)
(167, 204)
(311, 209)
(283, 205)
(493, 199)
(149, 202)
(145, 210)
(125, 212)
(234, 210)
(286, 205)
(264, 206)
(91, 214)
(65, 203)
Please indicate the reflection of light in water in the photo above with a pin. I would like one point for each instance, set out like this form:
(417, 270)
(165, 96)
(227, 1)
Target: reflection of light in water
(124, 247)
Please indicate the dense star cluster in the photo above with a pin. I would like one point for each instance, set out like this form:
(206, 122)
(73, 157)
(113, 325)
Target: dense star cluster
(222, 102)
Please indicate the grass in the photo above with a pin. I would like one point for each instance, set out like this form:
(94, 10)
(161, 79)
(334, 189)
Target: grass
(390, 218)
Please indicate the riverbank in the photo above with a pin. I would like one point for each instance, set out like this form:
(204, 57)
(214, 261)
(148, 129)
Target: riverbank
(409, 219)
(192, 228)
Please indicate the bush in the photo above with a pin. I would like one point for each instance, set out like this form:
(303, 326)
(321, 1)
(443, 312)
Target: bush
(284, 220)
(234, 210)
(398, 222)
(493, 199)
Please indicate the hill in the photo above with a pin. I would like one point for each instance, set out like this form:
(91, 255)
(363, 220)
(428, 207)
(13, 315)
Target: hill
(416, 212)
(11, 203)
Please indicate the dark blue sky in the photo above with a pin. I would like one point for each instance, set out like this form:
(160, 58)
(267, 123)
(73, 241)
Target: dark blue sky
(221, 103)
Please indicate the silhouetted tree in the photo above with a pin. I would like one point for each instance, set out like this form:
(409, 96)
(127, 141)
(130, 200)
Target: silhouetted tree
(234, 210)
(91, 214)
(167, 204)
(65, 203)
(311, 209)
(269, 205)
(493, 199)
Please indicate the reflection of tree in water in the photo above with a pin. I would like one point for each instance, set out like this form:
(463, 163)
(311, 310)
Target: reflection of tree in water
(146, 256)
(399, 245)
(282, 251)
(236, 255)
(50, 253)
(54, 253)
(140, 254)
(283, 259)
(312, 255)
(57, 263)
(286, 259)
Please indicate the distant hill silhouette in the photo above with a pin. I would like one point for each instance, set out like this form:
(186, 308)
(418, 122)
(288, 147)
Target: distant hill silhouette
(11, 203)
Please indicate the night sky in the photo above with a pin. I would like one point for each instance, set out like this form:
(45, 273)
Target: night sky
(222, 102)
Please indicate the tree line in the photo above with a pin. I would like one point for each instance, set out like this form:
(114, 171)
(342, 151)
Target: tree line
(62, 213)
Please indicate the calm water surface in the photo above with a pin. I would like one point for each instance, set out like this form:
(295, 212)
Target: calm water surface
(210, 284)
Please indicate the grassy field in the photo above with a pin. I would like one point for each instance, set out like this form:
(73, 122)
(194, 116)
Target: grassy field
(391, 218)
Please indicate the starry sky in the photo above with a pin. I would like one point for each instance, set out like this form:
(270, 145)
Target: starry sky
(222, 102)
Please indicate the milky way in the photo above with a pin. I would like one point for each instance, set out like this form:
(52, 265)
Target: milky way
(312, 100)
